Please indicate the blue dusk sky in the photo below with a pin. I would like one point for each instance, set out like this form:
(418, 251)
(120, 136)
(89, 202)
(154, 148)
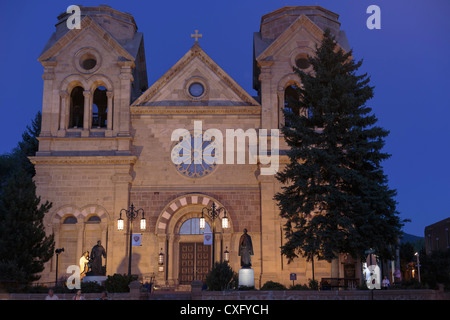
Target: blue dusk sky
(407, 60)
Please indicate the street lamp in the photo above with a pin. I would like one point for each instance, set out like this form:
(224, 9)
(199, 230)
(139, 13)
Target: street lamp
(57, 251)
(418, 264)
(131, 214)
(214, 213)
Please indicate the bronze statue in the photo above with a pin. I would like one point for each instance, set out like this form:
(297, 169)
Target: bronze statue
(96, 258)
(245, 250)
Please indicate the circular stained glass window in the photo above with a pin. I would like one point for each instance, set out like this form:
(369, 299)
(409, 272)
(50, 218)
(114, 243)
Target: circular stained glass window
(196, 155)
(196, 89)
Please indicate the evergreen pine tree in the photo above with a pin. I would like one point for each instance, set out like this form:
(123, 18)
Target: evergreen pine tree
(24, 246)
(18, 158)
(335, 198)
(29, 145)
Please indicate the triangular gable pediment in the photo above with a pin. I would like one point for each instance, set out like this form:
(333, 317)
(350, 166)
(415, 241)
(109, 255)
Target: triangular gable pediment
(301, 23)
(87, 24)
(172, 88)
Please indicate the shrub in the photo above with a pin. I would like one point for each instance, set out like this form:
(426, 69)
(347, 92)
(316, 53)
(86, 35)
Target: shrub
(299, 287)
(221, 277)
(411, 284)
(313, 284)
(92, 287)
(119, 283)
(271, 285)
(37, 289)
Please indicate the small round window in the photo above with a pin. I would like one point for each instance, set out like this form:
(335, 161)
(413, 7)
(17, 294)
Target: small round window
(302, 63)
(88, 62)
(196, 89)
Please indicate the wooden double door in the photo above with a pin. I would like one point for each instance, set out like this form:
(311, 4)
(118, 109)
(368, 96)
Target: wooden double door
(195, 262)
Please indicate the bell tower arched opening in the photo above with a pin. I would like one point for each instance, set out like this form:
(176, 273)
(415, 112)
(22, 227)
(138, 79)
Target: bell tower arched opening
(76, 115)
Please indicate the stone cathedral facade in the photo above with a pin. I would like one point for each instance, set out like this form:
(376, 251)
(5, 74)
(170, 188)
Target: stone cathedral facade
(105, 144)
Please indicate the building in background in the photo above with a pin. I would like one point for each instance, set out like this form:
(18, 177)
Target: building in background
(437, 236)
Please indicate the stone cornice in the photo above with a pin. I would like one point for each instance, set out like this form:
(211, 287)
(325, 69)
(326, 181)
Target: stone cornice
(197, 188)
(195, 110)
(77, 138)
(90, 160)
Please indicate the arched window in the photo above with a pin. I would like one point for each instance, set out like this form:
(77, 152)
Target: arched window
(70, 220)
(76, 108)
(94, 219)
(192, 226)
(99, 108)
(291, 99)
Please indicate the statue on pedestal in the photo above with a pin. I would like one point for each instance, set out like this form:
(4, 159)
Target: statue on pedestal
(245, 250)
(96, 259)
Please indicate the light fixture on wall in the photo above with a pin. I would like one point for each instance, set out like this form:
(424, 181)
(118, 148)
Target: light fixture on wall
(202, 222)
(225, 220)
(161, 258)
(143, 222)
(120, 223)
(226, 255)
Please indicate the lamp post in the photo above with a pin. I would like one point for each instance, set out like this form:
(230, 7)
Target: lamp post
(214, 213)
(418, 264)
(131, 214)
(57, 251)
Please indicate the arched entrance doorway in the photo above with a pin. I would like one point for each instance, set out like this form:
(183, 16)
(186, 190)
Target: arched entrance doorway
(189, 258)
(195, 256)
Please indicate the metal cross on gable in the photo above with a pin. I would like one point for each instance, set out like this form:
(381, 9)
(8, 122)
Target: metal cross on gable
(196, 35)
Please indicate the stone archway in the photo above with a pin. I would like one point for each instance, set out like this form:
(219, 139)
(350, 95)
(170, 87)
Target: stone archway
(168, 225)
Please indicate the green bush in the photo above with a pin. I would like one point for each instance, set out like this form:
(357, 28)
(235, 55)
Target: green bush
(299, 287)
(119, 283)
(411, 284)
(271, 285)
(221, 277)
(37, 289)
(91, 287)
(313, 284)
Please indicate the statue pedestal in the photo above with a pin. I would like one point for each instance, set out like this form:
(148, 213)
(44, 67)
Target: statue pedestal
(246, 277)
(99, 279)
